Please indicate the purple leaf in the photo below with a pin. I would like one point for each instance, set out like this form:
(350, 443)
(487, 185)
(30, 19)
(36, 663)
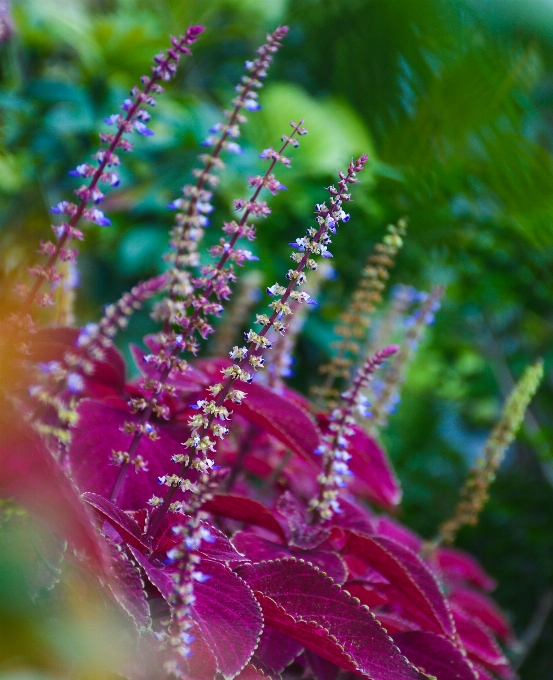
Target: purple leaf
(221, 549)
(411, 583)
(302, 534)
(373, 475)
(483, 608)
(284, 420)
(128, 588)
(229, 617)
(483, 674)
(365, 594)
(218, 549)
(385, 526)
(250, 672)
(258, 549)
(126, 527)
(150, 655)
(355, 517)
(298, 600)
(394, 623)
(227, 613)
(435, 655)
(276, 650)
(192, 381)
(51, 344)
(160, 578)
(459, 566)
(480, 644)
(245, 510)
(321, 668)
(98, 433)
(36, 482)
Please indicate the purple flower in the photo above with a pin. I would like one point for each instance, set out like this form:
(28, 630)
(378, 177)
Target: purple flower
(75, 383)
(99, 217)
(113, 119)
(252, 105)
(141, 128)
(60, 208)
(233, 147)
(82, 170)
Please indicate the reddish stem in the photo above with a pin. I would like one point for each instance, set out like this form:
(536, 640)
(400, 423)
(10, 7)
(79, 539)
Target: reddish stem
(163, 509)
(147, 413)
(96, 178)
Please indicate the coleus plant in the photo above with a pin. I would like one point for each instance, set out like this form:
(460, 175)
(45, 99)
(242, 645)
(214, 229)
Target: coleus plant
(227, 516)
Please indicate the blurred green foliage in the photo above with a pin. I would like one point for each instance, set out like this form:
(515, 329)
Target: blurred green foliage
(453, 99)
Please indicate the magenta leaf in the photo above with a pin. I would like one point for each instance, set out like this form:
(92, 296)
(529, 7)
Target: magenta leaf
(281, 418)
(192, 381)
(435, 655)
(36, 482)
(202, 664)
(229, 617)
(394, 623)
(160, 578)
(151, 655)
(458, 566)
(411, 583)
(385, 526)
(125, 526)
(483, 674)
(250, 672)
(275, 651)
(480, 644)
(98, 433)
(302, 534)
(373, 476)
(365, 594)
(51, 344)
(258, 549)
(300, 601)
(218, 548)
(321, 668)
(354, 517)
(483, 608)
(128, 588)
(227, 613)
(245, 510)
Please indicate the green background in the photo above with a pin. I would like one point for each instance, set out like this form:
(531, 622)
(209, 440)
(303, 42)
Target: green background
(453, 102)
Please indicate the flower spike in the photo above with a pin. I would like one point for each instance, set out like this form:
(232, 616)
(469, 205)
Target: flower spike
(475, 491)
(334, 448)
(194, 206)
(214, 283)
(132, 118)
(210, 421)
(385, 395)
(356, 320)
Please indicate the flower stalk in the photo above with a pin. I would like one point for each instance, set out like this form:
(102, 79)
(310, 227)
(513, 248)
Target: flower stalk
(210, 421)
(215, 282)
(195, 204)
(386, 397)
(356, 320)
(334, 448)
(475, 491)
(134, 117)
